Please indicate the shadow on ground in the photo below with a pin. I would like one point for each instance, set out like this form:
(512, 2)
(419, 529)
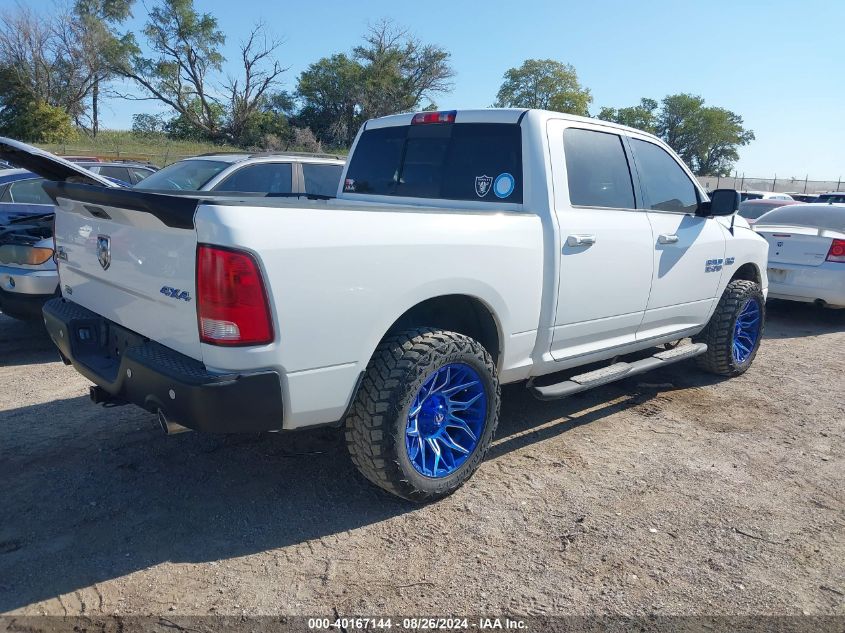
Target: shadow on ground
(24, 343)
(790, 319)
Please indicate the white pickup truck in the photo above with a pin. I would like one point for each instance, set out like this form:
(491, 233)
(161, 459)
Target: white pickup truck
(464, 250)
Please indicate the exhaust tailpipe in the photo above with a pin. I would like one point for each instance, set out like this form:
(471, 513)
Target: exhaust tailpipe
(169, 426)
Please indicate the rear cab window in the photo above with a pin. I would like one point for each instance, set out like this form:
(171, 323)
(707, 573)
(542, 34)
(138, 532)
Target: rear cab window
(448, 161)
(322, 180)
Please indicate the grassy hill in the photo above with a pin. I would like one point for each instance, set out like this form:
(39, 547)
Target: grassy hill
(111, 144)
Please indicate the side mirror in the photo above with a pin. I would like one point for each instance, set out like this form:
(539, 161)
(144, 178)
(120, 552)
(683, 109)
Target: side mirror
(722, 202)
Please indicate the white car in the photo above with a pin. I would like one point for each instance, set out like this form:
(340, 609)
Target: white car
(265, 174)
(806, 252)
(764, 195)
(464, 250)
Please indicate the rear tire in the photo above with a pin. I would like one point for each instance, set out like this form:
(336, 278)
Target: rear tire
(425, 413)
(734, 331)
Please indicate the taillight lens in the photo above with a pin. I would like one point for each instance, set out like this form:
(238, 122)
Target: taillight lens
(836, 252)
(434, 117)
(232, 306)
(22, 254)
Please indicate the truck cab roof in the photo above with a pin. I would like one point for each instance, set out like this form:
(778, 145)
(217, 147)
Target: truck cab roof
(497, 115)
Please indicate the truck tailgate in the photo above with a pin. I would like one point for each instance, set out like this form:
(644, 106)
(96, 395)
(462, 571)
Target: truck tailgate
(130, 257)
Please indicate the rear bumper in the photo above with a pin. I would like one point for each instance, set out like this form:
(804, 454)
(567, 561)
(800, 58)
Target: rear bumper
(23, 291)
(808, 283)
(135, 370)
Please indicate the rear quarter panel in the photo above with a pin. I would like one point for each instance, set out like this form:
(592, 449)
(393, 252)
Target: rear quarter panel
(340, 277)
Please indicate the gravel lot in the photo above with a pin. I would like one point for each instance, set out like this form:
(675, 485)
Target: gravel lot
(669, 493)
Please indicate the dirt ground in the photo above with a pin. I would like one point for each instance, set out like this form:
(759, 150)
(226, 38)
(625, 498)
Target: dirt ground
(670, 493)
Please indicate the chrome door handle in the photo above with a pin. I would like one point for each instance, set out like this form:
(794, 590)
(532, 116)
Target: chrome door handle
(667, 238)
(580, 240)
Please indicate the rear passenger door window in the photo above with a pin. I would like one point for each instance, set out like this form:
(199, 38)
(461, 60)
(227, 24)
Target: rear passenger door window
(322, 180)
(597, 170)
(267, 178)
(119, 173)
(665, 184)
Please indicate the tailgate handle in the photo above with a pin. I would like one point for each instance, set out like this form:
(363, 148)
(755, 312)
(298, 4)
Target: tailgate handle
(97, 212)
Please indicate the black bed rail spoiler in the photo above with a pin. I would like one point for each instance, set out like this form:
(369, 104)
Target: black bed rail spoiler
(173, 210)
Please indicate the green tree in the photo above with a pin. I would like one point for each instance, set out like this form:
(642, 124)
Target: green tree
(330, 91)
(148, 125)
(390, 72)
(642, 116)
(92, 27)
(39, 63)
(706, 138)
(399, 71)
(186, 49)
(185, 72)
(37, 122)
(546, 84)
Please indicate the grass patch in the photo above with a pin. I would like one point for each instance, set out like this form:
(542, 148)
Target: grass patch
(111, 144)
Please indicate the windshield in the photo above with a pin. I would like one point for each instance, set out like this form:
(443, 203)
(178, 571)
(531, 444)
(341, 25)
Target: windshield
(186, 175)
(460, 161)
(817, 216)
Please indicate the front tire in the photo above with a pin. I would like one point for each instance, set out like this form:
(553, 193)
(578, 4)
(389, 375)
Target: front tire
(425, 413)
(734, 332)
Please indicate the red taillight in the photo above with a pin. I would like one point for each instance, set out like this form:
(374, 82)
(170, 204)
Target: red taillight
(434, 117)
(836, 252)
(232, 307)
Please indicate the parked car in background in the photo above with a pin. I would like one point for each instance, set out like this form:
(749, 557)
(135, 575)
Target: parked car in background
(23, 190)
(753, 209)
(831, 196)
(763, 195)
(262, 174)
(804, 197)
(81, 159)
(126, 171)
(27, 279)
(28, 275)
(21, 194)
(806, 252)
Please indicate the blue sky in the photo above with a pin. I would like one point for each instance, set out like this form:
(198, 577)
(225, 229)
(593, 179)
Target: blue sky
(775, 63)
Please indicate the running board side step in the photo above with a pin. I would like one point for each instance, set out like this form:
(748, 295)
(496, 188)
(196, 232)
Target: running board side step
(614, 372)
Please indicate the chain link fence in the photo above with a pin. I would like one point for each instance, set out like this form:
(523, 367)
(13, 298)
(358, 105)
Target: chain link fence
(780, 185)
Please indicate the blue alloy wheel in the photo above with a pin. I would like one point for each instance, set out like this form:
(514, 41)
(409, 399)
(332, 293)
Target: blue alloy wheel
(446, 420)
(746, 331)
